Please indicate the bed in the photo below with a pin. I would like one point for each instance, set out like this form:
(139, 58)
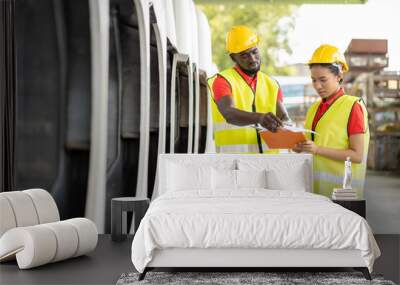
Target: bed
(243, 211)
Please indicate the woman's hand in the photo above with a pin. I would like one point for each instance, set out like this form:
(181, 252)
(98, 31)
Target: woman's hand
(355, 150)
(306, 146)
(297, 148)
(309, 146)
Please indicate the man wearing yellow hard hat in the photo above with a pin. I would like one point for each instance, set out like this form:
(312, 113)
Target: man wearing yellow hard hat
(341, 124)
(244, 97)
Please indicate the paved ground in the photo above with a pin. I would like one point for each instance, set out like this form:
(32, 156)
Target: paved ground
(382, 195)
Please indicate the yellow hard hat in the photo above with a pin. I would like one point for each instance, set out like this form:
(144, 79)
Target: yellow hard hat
(240, 38)
(329, 54)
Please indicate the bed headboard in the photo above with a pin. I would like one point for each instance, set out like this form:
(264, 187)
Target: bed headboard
(283, 165)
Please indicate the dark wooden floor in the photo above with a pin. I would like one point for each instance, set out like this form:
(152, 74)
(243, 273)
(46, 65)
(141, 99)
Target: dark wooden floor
(102, 266)
(110, 260)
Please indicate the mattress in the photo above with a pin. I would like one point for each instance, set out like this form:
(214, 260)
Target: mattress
(250, 218)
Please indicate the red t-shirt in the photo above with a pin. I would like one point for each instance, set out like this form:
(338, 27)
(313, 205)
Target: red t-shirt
(222, 88)
(356, 119)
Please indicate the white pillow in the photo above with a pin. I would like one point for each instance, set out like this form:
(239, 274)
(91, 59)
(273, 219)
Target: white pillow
(251, 178)
(282, 174)
(224, 179)
(293, 181)
(229, 179)
(188, 177)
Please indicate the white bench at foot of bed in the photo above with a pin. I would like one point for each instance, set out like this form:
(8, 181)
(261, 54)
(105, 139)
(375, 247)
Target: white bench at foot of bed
(239, 257)
(257, 258)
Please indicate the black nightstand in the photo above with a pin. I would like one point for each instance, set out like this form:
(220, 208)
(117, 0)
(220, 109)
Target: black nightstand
(119, 208)
(357, 206)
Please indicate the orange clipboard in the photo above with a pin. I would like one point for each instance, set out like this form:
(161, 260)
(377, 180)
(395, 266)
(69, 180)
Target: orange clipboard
(282, 139)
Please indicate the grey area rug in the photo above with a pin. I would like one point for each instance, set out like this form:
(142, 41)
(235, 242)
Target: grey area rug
(269, 278)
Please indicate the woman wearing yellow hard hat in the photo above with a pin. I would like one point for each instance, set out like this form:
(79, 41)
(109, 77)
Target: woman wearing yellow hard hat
(340, 122)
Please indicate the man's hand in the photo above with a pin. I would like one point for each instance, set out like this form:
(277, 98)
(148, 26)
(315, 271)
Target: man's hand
(270, 122)
(242, 118)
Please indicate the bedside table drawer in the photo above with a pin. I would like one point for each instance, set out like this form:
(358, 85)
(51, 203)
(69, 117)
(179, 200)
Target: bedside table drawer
(357, 206)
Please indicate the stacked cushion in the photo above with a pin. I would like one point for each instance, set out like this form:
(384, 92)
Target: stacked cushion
(7, 218)
(41, 244)
(31, 231)
(26, 208)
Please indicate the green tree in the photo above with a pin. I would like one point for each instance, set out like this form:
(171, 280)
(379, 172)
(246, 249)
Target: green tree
(272, 22)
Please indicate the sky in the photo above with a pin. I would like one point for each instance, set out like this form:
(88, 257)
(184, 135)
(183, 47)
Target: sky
(338, 24)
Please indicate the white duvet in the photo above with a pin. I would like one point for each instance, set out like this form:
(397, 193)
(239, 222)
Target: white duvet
(253, 218)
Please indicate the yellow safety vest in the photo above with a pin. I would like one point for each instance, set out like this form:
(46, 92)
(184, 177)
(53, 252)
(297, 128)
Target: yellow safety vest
(332, 133)
(239, 139)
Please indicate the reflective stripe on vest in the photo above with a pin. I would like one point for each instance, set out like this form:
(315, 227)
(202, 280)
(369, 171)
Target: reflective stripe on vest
(332, 133)
(226, 126)
(230, 138)
(335, 179)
